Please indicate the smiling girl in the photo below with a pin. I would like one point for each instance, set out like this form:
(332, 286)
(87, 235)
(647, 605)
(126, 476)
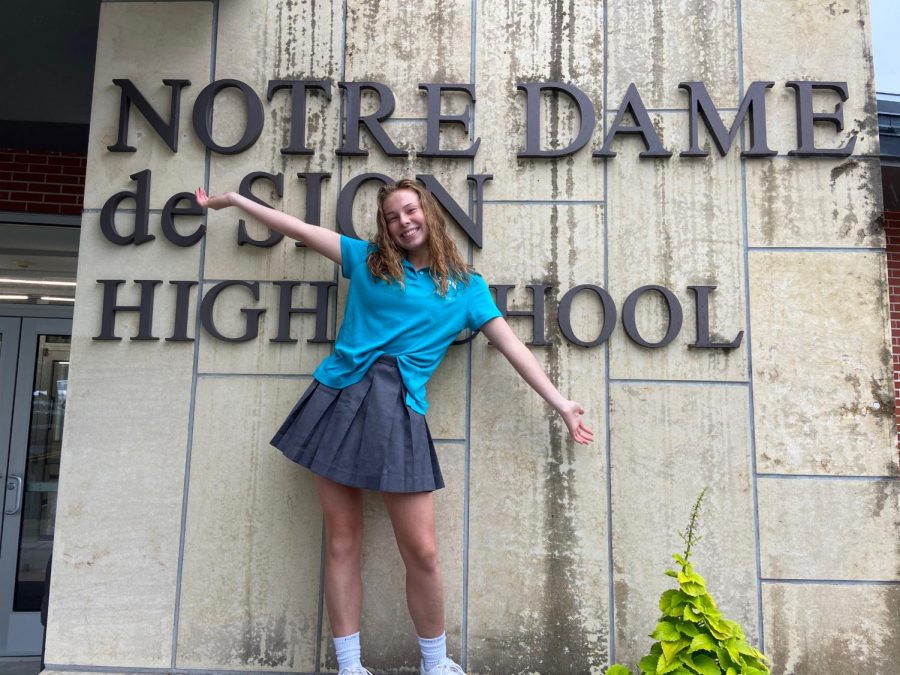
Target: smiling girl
(361, 423)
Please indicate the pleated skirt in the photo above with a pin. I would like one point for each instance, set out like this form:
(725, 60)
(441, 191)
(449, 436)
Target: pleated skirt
(363, 436)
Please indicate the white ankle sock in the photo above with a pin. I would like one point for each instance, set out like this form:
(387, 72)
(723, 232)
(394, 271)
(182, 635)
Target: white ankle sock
(434, 650)
(347, 651)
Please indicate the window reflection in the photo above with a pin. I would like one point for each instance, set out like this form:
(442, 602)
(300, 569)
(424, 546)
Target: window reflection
(48, 409)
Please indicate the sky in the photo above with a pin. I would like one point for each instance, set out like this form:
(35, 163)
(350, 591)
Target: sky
(886, 46)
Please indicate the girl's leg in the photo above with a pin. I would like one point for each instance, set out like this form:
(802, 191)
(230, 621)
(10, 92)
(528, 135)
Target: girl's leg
(412, 517)
(342, 508)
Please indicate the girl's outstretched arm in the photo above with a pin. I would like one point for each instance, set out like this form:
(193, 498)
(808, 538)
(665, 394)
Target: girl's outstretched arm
(319, 239)
(499, 332)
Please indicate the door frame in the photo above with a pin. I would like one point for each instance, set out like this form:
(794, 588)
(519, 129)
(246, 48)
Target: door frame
(20, 632)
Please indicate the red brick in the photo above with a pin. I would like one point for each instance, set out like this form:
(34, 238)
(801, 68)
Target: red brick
(45, 188)
(46, 169)
(66, 180)
(62, 199)
(71, 210)
(73, 170)
(12, 206)
(24, 197)
(70, 189)
(65, 161)
(30, 177)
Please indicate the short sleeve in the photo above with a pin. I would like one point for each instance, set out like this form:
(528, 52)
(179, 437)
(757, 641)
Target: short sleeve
(353, 253)
(481, 307)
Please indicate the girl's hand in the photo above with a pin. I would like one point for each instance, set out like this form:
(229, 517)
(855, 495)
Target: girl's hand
(571, 413)
(215, 202)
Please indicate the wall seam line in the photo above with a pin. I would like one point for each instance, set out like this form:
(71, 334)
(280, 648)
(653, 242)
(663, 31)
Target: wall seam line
(751, 404)
(611, 590)
(176, 624)
(467, 432)
(320, 614)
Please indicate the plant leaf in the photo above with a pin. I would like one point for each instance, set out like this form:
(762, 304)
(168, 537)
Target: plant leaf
(731, 671)
(648, 663)
(718, 631)
(663, 666)
(744, 648)
(747, 670)
(665, 631)
(671, 649)
(731, 647)
(690, 587)
(706, 665)
(690, 614)
(671, 601)
(724, 659)
(687, 628)
(618, 670)
(704, 642)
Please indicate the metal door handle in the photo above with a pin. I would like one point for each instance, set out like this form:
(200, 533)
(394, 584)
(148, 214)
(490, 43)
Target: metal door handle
(14, 483)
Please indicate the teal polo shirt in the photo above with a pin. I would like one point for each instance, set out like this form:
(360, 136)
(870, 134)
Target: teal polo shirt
(412, 323)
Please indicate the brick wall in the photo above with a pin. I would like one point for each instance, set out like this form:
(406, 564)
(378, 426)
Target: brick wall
(892, 230)
(42, 182)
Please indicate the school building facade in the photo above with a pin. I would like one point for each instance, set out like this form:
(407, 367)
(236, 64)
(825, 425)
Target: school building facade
(679, 208)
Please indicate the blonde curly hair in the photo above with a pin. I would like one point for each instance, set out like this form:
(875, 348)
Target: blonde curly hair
(446, 263)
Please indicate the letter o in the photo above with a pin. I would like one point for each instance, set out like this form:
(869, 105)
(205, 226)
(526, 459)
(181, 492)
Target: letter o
(672, 305)
(564, 317)
(202, 116)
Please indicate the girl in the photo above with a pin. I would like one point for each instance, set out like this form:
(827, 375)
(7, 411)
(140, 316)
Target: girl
(361, 423)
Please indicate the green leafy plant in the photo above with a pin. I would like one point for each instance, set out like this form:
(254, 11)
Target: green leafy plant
(692, 636)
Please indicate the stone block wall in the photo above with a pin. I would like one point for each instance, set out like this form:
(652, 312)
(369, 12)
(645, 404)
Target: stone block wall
(186, 544)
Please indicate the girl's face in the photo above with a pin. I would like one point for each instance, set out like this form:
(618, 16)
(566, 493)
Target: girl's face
(406, 221)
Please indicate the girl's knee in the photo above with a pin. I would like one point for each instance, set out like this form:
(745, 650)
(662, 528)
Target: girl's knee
(343, 542)
(422, 557)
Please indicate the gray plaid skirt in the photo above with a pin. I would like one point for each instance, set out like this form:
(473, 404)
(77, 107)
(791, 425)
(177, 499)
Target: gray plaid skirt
(363, 436)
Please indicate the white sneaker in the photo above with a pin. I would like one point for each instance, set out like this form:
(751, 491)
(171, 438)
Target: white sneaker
(445, 667)
(354, 670)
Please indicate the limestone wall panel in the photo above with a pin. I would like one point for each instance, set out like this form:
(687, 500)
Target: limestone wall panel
(823, 397)
(261, 355)
(806, 636)
(537, 500)
(819, 529)
(226, 258)
(408, 45)
(809, 40)
(658, 45)
(676, 223)
(114, 584)
(667, 439)
(250, 582)
(284, 41)
(387, 633)
(529, 42)
(845, 211)
(179, 35)
(446, 396)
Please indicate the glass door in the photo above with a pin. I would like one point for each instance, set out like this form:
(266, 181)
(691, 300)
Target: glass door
(37, 415)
